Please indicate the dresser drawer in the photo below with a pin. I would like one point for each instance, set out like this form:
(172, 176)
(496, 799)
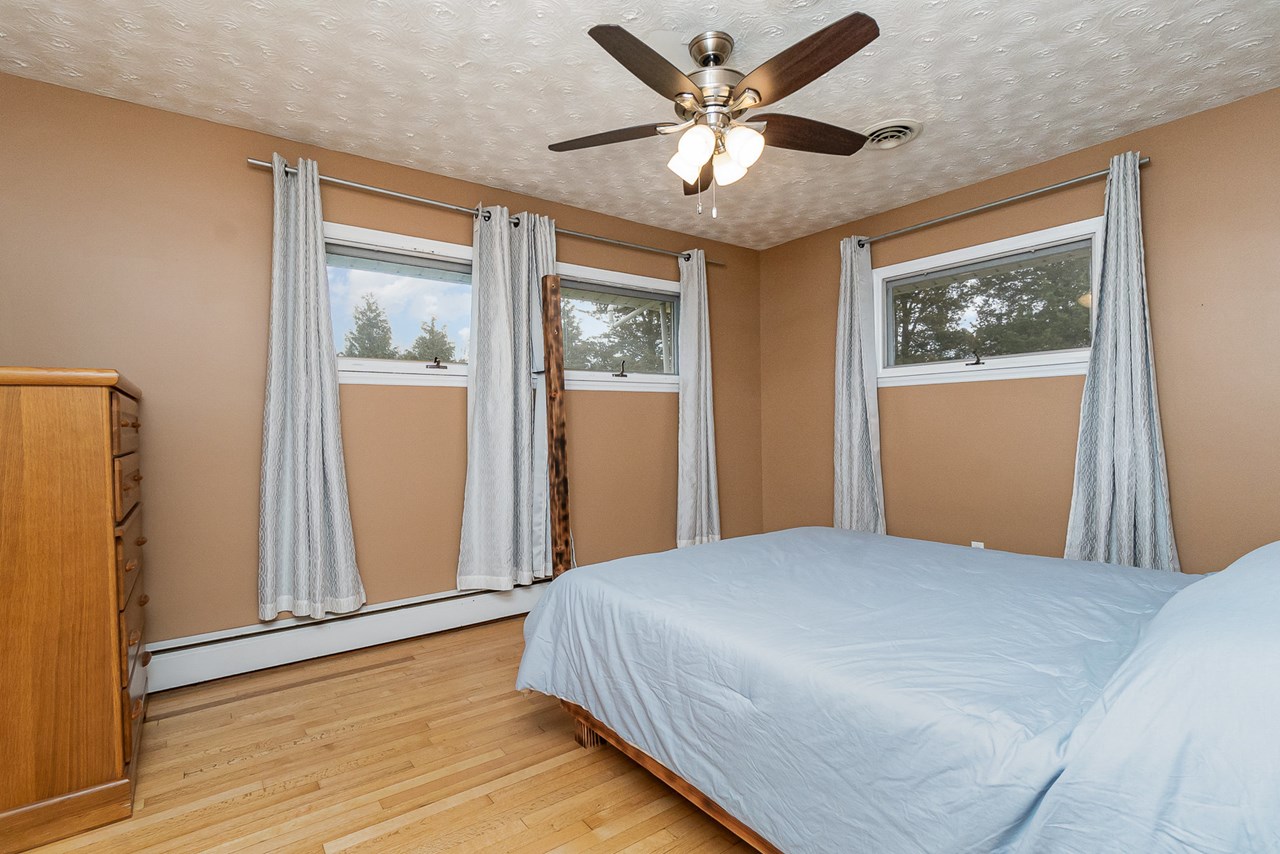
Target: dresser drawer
(133, 703)
(128, 485)
(124, 424)
(129, 543)
(132, 622)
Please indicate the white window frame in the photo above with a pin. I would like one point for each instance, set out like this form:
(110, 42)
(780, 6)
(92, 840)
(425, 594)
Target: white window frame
(603, 381)
(387, 372)
(1055, 363)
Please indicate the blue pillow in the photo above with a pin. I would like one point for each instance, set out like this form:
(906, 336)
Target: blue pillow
(1181, 751)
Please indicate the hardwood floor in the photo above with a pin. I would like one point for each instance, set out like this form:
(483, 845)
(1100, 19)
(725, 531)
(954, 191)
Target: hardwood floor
(417, 746)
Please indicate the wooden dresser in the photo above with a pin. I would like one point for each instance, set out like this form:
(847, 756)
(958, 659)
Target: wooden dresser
(72, 604)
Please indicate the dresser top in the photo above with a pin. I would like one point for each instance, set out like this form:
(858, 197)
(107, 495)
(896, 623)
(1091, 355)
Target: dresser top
(68, 376)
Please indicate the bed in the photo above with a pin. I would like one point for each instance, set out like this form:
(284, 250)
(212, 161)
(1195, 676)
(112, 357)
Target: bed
(830, 691)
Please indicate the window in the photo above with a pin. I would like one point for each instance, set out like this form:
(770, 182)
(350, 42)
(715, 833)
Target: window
(398, 303)
(389, 306)
(1031, 302)
(605, 327)
(1012, 308)
(609, 317)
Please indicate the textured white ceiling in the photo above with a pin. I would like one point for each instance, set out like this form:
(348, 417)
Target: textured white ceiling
(478, 88)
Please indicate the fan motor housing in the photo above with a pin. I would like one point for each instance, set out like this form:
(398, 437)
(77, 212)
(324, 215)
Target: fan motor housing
(715, 81)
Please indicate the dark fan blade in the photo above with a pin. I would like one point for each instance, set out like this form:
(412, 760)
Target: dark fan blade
(807, 135)
(808, 59)
(644, 62)
(610, 136)
(704, 181)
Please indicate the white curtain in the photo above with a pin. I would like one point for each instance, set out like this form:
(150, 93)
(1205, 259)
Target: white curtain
(697, 495)
(1120, 499)
(505, 531)
(306, 550)
(859, 498)
(533, 249)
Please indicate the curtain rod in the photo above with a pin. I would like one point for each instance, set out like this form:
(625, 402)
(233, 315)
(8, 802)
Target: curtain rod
(989, 205)
(326, 179)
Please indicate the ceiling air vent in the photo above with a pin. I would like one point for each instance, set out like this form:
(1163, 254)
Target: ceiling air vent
(892, 134)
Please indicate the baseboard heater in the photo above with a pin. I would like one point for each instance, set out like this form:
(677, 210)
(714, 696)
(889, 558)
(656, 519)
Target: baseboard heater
(200, 658)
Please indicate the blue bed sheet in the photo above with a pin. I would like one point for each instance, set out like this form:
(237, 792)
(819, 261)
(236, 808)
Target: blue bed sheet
(844, 692)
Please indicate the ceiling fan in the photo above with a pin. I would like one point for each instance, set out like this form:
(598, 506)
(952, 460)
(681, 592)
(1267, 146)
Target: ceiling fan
(718, 143)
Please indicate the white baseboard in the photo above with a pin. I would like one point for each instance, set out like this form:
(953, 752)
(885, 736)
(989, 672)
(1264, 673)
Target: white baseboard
(175, 665)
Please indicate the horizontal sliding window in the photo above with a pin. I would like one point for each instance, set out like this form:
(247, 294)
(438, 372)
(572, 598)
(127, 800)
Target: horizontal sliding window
(610, 329)
(1011, 308)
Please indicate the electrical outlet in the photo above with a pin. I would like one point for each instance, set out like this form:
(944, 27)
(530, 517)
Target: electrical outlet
(974, 544)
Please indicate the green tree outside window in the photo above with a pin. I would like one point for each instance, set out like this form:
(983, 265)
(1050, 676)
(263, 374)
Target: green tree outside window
(370, 337)
(433, 343)
(1034, 308)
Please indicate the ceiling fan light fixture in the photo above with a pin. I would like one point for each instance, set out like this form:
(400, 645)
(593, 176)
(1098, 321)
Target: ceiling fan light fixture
(685, 167)
(715, 148)
(744, 145)
(697, 144)
(726, 169)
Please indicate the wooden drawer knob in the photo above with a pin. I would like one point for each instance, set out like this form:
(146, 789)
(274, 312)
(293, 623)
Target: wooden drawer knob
(125, 422)
(143, 600)
(126, 487)
(146, 659)
(137, 477)
(134, 637)
(131, 565)
(142, 541)
(136, 711)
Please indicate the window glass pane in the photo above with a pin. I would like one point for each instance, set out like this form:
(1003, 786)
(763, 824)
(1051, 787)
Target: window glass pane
(1032, 302)
(604, 326)
(389, 306)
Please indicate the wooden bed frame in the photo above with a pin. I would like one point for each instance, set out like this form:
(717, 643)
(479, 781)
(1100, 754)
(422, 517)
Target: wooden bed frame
(590, 732)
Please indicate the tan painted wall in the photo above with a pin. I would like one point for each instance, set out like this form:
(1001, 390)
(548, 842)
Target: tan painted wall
(140, 240)
(993, 461)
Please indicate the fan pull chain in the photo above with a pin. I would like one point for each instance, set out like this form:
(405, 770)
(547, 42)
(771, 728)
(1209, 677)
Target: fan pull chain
(699, 198)
(714, 213)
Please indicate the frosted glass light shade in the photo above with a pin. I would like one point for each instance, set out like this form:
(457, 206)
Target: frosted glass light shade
(726, 169)
(744, 145)
(685, 167)
(697, 144)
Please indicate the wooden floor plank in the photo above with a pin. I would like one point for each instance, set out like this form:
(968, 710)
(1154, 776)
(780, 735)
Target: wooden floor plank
(418, 746)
